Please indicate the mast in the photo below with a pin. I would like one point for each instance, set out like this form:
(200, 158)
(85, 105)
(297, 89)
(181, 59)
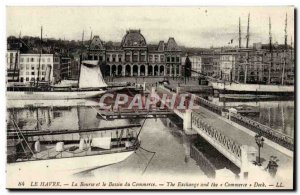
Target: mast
(16, 59)
(49, 75)
(248, 36)
(271, 52)
(80, 56)
(285, 32)
(247, 45)
(240, 38)
(239, 54)
(91, 36)
(291, 48)
(38, 77)
(82, 37)
(284, 51)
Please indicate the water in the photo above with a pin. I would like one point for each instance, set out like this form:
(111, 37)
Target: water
(162, 136)
(279, 115)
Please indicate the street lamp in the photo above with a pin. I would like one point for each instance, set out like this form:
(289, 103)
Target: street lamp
(260, 143)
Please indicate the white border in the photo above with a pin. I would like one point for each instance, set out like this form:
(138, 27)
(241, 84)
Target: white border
(4, 3)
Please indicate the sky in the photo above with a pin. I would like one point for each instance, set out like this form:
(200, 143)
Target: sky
(190, 26)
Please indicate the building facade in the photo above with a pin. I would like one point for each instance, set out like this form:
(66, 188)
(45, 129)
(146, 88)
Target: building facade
(65, 68)
(30, 70)
(56, 68)
(12, 65)
(227, 65)
(196, 64)
(134, 57)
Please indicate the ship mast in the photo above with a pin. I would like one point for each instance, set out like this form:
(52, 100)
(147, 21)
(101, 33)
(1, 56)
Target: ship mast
(285, 32)
(240, 38)
(16, 59)
(271, 52)
(82, 38)
(240, 46)
(91, 37)
(284, 51)
(291, 47)
(80, 57)
(247, 45)
(41, 49)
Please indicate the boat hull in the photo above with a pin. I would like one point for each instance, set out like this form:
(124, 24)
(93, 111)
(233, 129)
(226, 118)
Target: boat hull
(65, 166)
(257, 89)
(53, 95)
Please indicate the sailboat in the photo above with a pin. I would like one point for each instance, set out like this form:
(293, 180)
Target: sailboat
(237, 90)
(68, 151)
(91, 84)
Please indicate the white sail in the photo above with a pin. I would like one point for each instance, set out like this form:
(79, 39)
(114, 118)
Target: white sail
(90, 75)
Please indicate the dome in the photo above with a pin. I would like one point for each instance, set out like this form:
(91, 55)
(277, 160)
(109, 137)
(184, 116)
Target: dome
(133, 38)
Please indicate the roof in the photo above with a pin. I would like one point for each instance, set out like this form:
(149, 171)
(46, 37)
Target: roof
(161, 46)
(152, 47)
(172, 45)
(96, 43)
(134, 38)
(112, 45)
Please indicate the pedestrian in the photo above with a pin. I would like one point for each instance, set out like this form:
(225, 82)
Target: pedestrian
(272, 166)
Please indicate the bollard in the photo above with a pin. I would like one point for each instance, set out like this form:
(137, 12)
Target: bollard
(144, 86)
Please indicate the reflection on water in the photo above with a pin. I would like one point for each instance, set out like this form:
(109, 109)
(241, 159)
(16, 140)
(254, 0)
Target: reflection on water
(278, 115)
(163, 136)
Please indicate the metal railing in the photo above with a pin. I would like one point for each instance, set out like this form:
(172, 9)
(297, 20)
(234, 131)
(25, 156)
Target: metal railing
(275, 136)
(208, 105)
(223, 140)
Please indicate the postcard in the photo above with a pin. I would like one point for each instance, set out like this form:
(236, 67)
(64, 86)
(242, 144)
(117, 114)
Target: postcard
(150, 98)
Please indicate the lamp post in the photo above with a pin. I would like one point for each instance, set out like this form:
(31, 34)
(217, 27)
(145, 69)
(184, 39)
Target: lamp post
(260, 143)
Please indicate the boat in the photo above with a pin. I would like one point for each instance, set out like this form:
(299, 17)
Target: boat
(252, 89)
(68, 151)
(91, 84)
(248, 97)
(20, 104)
(82, 146)
(247, 110)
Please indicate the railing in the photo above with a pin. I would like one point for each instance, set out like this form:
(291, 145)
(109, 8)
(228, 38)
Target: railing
(208, 105)
(223, 140)
(269, 133)
(27, 156)
(265, 131)
(24, 152)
